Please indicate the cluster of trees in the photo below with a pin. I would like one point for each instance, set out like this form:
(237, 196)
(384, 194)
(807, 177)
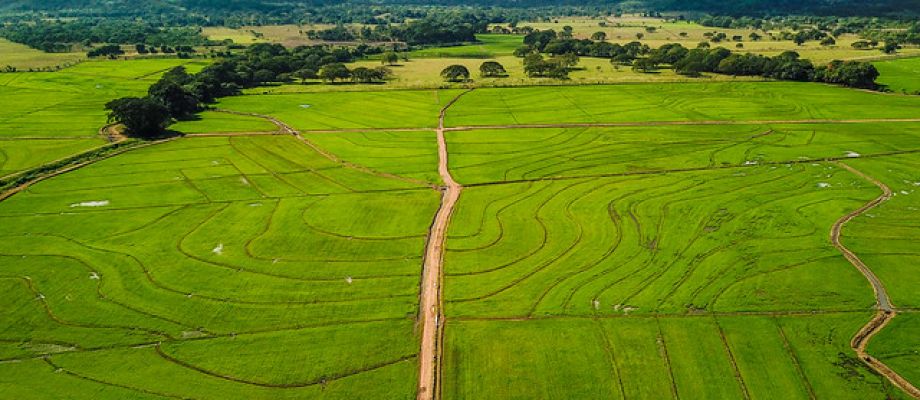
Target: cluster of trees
(178, 95)
(55, 36)
(786, 66)
(548, 42)
(171, 97)
(556, 67)
(434, 29)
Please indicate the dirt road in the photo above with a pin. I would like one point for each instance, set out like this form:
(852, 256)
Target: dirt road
(887, 311)
(430, 310)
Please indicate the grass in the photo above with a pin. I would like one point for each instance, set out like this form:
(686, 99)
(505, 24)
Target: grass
(212, 121)
(18, 155)
(66, 106)
(636, 357)
(744, 239)
(884, 238)
(900, 75)
(24, 58)
(656, 261)
(489, 46)
(301, 270)
(670, 102)
(348, 110)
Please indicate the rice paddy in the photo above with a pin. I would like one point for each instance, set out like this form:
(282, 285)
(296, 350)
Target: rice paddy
(615, 241)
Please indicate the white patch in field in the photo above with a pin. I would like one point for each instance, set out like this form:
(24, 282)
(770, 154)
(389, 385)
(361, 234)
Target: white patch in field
(215, 162)
(905, 192)
(616, 307)
(596, 303)
(275, 261)
(305, 106)
(824, 185)
(750, 163)
(348, 280)
(853, 154)
(255, 204)
(244, 181)
(219, 250)
(99, 203)
(94, 276)
(40, 296)
(916, 183)
(98, 86)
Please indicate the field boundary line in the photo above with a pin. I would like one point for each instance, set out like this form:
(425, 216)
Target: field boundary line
(683, 123)
(431, 307)
(886, 310)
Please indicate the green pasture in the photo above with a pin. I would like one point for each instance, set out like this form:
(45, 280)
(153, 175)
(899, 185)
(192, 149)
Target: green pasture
(492, 155)
(64, 110)
(644, 261)
(134, 258)
(18, 155)
(900, 75)
(348, 110)
(24, 58)
(675, 102)
(221, 122)
(886, 237)
(687, 357)
(723, 240)
(488, 46)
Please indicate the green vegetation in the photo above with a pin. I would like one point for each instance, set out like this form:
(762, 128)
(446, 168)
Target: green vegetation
(302, 270)
(900, 75)
(18, 155)
(703, 101)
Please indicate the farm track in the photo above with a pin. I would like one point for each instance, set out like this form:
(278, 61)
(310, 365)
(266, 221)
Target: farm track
(886, 310)
(430, 310)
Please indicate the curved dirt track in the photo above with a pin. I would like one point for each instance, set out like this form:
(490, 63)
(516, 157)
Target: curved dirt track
(430, 310)
(887, 311)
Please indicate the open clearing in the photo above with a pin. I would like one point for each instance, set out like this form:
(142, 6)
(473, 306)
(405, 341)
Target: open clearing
(620, 241)
(900, 75)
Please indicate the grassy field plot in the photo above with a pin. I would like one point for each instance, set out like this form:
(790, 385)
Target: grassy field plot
(721, 240)
(165, 261)
(900, 75)
(18, 155)
(668, 357)
(409, 154)
(887, 237)
(220, 122)
(684, 102)
(491, 155)
(348, 110)
(23, 57)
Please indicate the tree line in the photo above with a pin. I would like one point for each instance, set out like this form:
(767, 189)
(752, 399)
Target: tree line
(55, 36)
(178, 95)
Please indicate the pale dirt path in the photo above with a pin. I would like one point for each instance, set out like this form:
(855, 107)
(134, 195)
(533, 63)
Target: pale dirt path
(430, 310)
(886, 311)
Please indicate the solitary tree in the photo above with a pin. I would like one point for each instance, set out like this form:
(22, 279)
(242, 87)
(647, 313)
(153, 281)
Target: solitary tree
(143, 117)
(492, 69)
(455, 73)
(640, 35)
(890, 48)
(828, 41)
(599, 36)
(390, 58)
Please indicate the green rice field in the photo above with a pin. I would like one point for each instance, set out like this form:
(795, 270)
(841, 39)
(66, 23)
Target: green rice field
(636, 241)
